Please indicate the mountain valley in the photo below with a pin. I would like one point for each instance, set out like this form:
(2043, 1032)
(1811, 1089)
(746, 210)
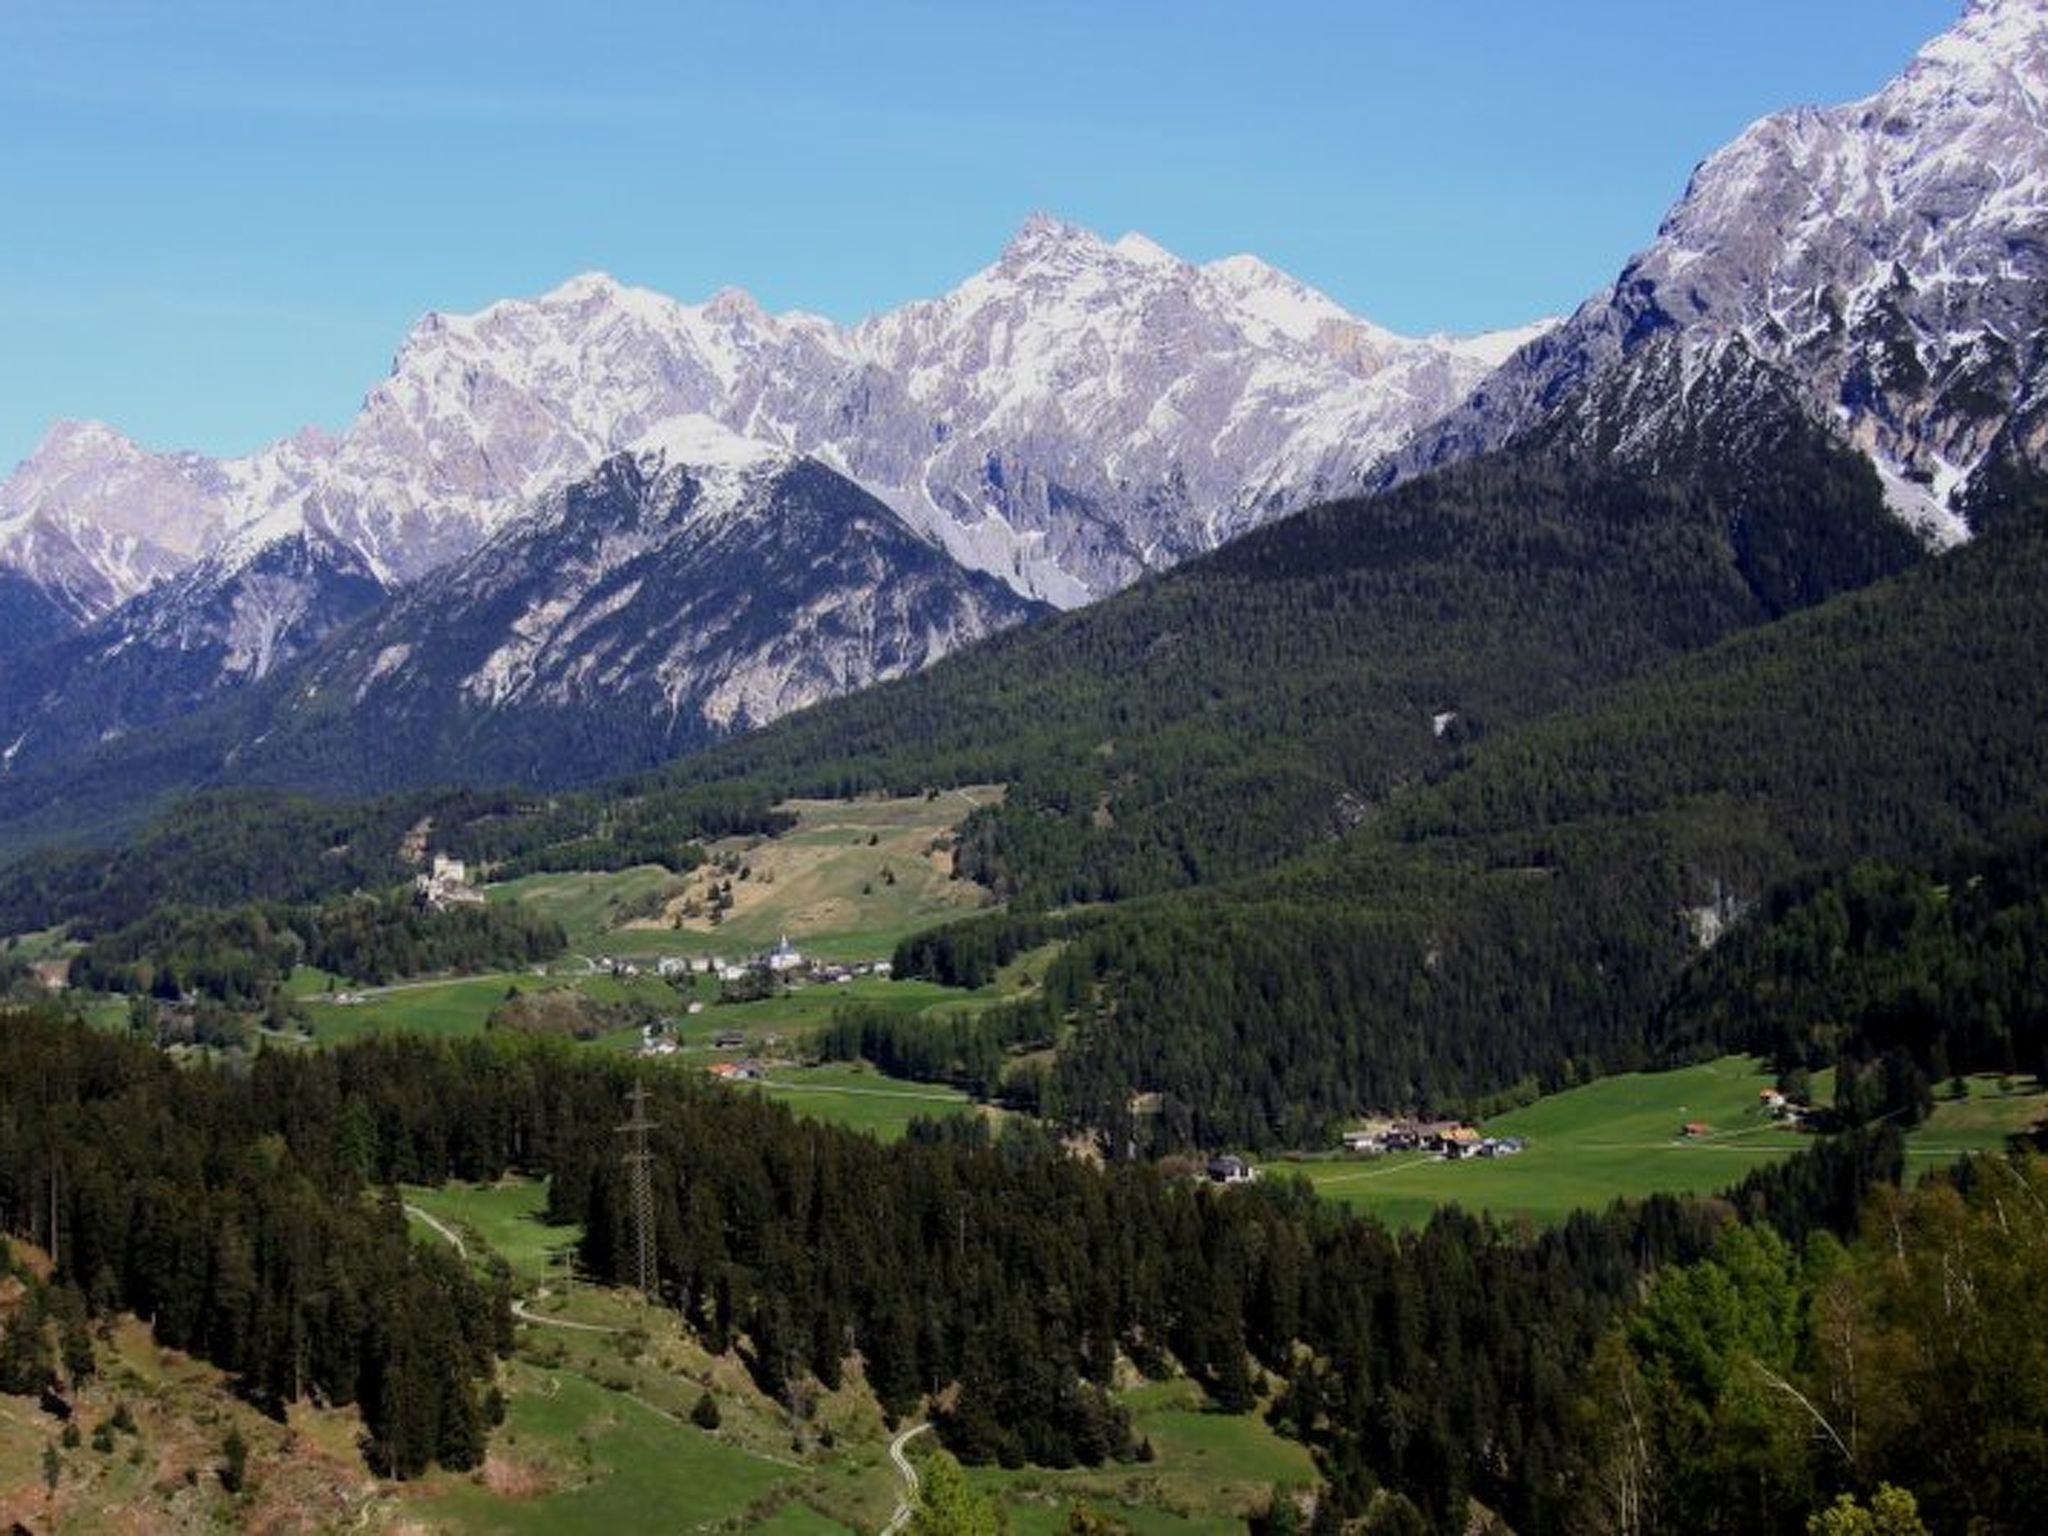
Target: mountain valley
(1113, 901)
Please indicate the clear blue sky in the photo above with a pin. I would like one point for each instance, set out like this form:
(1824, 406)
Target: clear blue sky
(221, 215)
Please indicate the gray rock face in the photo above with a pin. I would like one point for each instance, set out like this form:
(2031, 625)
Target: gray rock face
(693, 585)
(92, 518)
(1887, 258)
(1074, 415)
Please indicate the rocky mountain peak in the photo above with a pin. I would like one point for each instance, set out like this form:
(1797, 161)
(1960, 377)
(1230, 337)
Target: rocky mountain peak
(1886, 259)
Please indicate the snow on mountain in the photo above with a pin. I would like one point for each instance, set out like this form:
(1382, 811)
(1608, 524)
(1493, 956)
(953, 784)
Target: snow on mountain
(1889, 258)
(1077, 413)
(694, 584)
(92, 519)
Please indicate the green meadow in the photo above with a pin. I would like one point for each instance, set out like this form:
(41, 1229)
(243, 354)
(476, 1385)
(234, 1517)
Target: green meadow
(862, 1099)
(1208, 1472)
(1623, 1136)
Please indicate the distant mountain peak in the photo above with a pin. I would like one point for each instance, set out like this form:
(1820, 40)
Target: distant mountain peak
(1885, 262)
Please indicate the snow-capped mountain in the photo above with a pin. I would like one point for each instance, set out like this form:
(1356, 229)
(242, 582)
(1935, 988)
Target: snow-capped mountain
(1887, 260)
(695, 584)
(1075, 414)
(176, 646)
(92, 518)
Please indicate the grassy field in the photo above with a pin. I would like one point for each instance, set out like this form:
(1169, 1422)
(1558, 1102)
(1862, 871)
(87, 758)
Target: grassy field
(1208, 1472)
(862, 1099)
(575, 1456)
(588, 906)
(1990, 1111)
(846, 883)
(1586, 1147)
(597, 1434)
(1620, 1136)
(505, 1218)
(438, 1008)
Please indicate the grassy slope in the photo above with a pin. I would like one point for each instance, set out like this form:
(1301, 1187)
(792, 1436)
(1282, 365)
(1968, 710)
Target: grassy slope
(1209, 1471)
(1619, 1137)
(586, 1445)
(823, 883)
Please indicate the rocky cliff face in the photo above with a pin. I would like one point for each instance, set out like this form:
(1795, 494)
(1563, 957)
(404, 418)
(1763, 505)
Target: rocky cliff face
(693, 585)
(1077, 413)
(1886, 260)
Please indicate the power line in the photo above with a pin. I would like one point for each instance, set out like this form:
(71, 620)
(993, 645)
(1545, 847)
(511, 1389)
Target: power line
(639, 1161)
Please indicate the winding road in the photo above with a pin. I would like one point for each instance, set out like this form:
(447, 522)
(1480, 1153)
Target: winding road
(897, 1447)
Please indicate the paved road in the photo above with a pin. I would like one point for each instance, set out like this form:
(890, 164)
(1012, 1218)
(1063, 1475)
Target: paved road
(901, 1518)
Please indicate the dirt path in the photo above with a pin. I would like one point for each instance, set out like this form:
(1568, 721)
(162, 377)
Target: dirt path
(442, 1227)
(904, 1509)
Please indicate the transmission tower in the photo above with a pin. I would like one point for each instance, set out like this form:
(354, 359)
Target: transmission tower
(639, 1161)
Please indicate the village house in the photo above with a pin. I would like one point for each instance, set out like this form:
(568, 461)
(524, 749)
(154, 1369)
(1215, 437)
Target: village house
(1447, 1138)
(1229, 1169)
(51, 975)
(1458, 1141)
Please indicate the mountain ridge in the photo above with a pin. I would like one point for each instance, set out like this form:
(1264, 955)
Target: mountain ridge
(483, 413)
(1886, 258)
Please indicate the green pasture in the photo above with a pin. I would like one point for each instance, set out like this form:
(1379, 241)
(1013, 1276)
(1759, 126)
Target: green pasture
(1990, 1111)
(1587, 1146)
(1622, 1136)
(589, 906)
(847, 883)
(1208, 1472)
(862, 1099)
(607, 1462)
(454, 1007)
(505, 1218)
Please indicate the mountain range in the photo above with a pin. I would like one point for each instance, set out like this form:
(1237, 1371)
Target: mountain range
(485, 557)
(1071, 417)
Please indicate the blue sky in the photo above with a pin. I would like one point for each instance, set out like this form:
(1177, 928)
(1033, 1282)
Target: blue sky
(221, 215)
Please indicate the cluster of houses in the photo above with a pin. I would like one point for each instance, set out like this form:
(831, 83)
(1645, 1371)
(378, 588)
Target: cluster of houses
(1452, 1139)
(784, 960)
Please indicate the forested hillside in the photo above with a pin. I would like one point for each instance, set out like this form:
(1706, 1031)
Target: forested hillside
(1524, 918)
(1246, 706)
(240, 1211)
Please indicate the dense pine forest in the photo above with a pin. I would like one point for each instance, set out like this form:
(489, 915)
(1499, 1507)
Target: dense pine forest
(240, 1214)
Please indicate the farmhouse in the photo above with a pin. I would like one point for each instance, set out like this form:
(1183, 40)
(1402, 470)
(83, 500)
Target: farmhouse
(1231, 1170)
(1457, 1141)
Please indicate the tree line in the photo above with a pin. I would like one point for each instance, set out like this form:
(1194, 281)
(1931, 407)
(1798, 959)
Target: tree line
(239, 1214)
(242, 956)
